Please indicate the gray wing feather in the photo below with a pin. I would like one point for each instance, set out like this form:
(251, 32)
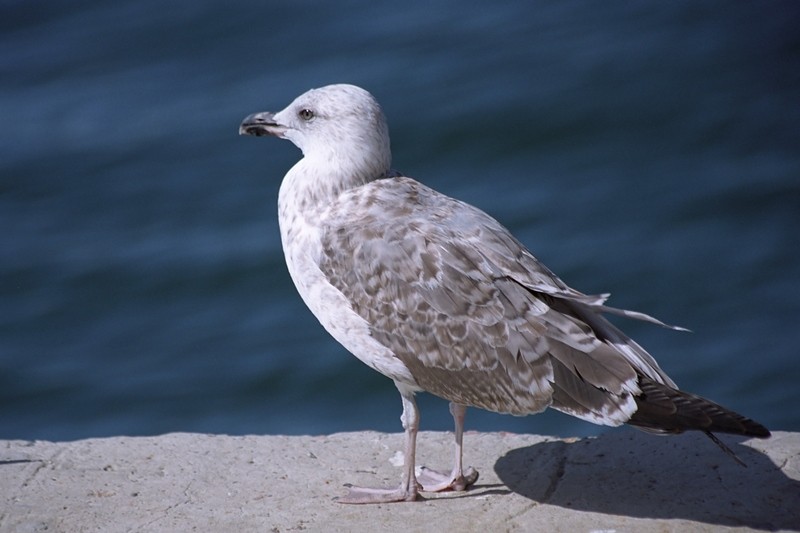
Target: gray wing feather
(474, 316)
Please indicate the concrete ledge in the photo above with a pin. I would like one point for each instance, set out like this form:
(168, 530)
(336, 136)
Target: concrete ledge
(621, 481)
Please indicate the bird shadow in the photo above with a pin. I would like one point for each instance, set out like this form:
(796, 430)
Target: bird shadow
(627, 473)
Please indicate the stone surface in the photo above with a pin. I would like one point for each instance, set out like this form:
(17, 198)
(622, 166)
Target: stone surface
(621, 481)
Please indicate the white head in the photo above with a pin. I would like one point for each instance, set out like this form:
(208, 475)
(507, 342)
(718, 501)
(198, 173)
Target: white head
(341, 127)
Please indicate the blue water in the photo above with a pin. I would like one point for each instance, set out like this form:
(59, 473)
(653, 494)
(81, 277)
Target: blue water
(649, 150)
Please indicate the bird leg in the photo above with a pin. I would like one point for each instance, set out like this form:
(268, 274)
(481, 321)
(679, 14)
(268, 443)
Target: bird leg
(458, 479)
(409, 488)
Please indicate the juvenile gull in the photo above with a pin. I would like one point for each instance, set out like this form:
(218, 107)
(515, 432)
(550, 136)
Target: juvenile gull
(438, 296)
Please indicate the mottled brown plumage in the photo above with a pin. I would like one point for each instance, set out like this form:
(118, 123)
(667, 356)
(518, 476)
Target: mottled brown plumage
(440, 297)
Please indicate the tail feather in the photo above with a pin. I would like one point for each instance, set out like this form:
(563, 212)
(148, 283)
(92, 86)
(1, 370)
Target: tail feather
(724, 448)
(662, 409)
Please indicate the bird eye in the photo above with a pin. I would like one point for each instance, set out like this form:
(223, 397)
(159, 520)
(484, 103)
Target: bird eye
(306, 114)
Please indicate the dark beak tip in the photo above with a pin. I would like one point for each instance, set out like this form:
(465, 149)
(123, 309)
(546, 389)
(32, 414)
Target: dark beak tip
(259, 124)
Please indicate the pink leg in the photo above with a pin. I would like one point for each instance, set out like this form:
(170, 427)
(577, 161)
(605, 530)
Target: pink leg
(458, 480)
(409, 488)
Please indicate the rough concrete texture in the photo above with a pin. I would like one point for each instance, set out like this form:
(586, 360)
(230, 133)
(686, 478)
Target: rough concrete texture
(621, 481)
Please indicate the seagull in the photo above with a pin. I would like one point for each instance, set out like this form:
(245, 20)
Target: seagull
(440, 297)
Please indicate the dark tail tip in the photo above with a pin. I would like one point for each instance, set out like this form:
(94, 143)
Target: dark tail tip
(666, 410)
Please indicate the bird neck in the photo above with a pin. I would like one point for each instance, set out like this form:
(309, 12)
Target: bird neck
(314, 182)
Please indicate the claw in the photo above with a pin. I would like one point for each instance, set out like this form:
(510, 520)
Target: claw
(360, 495)
(434, 481)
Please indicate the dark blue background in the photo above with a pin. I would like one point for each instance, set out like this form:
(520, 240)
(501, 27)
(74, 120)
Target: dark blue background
(647, 149)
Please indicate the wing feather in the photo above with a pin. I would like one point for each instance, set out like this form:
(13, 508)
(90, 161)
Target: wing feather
(473, 315)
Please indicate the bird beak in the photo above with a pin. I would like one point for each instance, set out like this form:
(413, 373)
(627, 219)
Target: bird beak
(260, 124)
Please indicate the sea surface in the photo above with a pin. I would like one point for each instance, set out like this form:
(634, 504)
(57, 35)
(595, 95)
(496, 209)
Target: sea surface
(650, 150)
